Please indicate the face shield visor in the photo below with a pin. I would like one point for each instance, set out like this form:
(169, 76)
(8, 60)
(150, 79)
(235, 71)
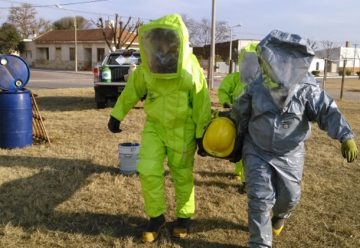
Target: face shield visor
(285, 68)
(249, 67)
(284, 61)
(162, 48)
(284, 58)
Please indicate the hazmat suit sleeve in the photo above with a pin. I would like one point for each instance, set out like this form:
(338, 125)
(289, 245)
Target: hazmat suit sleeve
(134, 90)
(322, 109)
(200, 100)
(226, 89)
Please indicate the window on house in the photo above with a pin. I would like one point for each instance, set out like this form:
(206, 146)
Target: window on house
(42, 53)
(58, 53)
(317, 66)
(100, 54)
(72, 54)
(28, 54)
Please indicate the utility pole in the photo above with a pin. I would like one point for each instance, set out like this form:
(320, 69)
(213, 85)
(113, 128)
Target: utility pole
(75, 34)
(343, 79)
(325, 72)
(230, 48)
(355, 45)
(76, 47)
(212, 47)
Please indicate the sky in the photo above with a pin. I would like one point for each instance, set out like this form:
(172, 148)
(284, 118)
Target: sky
(334, 20)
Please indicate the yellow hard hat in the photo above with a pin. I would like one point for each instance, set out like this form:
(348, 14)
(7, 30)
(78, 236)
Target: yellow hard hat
(219, 137)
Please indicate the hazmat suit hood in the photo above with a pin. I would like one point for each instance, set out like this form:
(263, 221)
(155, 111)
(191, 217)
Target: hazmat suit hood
(249, 65)
(284, 61)
(164, 46)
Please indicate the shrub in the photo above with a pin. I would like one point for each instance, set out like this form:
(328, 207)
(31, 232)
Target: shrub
(316, 73)
(347, 72)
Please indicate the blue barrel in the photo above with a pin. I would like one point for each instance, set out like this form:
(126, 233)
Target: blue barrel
(15, 119)
(14, 72)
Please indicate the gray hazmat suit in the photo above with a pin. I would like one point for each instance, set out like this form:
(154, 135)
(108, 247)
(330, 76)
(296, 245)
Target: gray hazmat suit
(274, 116)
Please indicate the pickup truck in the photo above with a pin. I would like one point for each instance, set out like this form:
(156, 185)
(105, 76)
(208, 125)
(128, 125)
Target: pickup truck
(108, 89)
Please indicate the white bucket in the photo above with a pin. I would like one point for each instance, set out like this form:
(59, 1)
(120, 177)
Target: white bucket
(128, 157)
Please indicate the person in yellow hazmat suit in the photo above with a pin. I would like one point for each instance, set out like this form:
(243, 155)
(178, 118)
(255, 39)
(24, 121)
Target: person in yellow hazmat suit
(232, 87)
(177, 108)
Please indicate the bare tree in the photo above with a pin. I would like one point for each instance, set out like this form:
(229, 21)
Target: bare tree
(200, 31)
(327, 53)
(68, 23)
(312, 44)
(328, 49)
(119, 34)
(25, 20)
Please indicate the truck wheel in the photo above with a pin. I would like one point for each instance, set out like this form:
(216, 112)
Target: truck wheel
(101, 105)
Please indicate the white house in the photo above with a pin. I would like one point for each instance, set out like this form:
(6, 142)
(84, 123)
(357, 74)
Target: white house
(56, 49)
(317, 64)
(336, 57)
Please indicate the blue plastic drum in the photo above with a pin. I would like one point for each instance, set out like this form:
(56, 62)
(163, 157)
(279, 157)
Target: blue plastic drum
(15, 119)
(14, 72)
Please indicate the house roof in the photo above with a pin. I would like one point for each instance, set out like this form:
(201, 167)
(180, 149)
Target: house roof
(83, 35)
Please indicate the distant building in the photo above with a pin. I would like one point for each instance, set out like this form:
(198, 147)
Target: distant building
(222, 53)
(317, 64)
(56, 49)
(222, 49)
(336, 57)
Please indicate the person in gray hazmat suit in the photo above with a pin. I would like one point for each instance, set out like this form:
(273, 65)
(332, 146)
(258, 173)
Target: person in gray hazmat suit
(274, 116)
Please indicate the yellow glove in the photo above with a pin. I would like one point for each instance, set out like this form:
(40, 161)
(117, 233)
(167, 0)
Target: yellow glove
(349, 150)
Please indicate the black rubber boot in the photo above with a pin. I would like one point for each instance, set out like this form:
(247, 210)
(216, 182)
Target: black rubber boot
(153, 229)
(277, 225)
(181, 227)
(242, 188)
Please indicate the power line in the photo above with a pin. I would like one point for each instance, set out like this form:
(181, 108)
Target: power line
(48, 5)
(102, 14)
(73, 10)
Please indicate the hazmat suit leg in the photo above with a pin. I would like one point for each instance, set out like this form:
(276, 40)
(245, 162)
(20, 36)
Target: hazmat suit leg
(240, 171)
(151, 171)
(261, 199)
(273, 186)
(181, 170)
(287, 183)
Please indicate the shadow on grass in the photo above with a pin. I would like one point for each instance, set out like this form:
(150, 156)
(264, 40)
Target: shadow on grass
(30, 202)
(203, 225)
(204, 244)
(215, 174)
(353, 90)
(65, 103)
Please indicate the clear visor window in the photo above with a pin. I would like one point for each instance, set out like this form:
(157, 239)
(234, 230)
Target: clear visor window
(286, 69)
(249, 68)
(162, 48)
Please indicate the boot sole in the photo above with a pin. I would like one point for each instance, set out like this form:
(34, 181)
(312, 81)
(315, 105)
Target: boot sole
(149, 237)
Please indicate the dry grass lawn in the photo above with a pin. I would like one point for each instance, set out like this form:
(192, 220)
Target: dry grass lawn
(71, 194)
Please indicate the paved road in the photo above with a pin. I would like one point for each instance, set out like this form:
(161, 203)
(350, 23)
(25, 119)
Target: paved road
(49, 79)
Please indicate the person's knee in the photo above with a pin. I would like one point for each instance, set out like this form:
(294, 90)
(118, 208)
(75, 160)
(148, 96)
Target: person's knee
(285, 205)
(150, 167)
(260, 204)
(293, 201)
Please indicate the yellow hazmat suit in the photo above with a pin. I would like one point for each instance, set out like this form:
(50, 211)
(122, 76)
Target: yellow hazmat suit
(177, 108)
